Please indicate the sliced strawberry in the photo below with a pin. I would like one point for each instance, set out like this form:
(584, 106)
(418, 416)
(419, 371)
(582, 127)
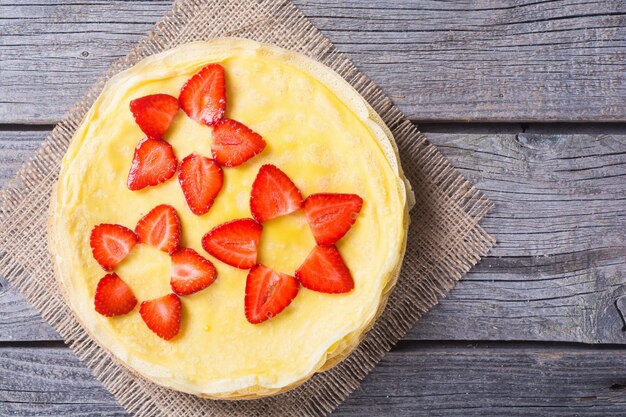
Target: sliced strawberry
(325, 271)
(162, 315)
(154, 113)
(235, 242)
(201, 179)
(110, 243)
(273, 194)
(154, 162)
(113, 296)
(268, 293)
(203, 97)
(330, 216)
(234, 143)
(191, 272)
(160, 228)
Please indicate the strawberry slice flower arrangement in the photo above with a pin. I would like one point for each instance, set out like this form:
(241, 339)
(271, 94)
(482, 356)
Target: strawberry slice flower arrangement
(273, 194)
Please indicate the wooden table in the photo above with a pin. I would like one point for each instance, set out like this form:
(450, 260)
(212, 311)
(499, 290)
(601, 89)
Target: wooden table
(526, 98)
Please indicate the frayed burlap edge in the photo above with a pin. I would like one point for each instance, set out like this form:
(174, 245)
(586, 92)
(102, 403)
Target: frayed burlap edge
(444, 241)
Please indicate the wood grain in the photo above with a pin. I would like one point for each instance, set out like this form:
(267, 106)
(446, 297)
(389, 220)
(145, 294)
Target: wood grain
(464, 60)
(559, 265)
(558, 270)
(18, 320)
(559, 221)
(49, 380)
(412, 380)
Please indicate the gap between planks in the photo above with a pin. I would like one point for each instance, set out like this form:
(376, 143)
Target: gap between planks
(407, 345)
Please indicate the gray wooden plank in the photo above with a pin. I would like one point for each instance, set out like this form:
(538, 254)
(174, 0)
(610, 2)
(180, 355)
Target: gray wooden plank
(18, 320)
(559, 265)
(464, 60)
(16, 147)
(412, 380)
(51, 381)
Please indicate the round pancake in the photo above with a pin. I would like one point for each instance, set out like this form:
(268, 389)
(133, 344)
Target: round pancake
(321, 133)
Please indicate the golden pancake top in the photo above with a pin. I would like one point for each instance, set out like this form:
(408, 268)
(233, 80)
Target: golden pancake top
(320, 133)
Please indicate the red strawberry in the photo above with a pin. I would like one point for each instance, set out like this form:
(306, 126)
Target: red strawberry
(273, 194)
(201, 179)
(160, 228)
(325, 271)
(154, 113)
(190, 272)
(113, 296)
(234, 143)
(203, 97)
(162, 315)
(330, 216)
(154, 162)
(110, 243)
(235, 242)
(268, 293)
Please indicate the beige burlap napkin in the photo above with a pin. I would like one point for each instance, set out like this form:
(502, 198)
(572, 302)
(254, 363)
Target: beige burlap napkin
(444, 242)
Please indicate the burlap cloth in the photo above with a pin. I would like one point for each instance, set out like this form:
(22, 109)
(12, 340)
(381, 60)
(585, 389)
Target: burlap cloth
(444, 240)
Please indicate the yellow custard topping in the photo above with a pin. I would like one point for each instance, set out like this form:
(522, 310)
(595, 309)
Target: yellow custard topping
(320, 132)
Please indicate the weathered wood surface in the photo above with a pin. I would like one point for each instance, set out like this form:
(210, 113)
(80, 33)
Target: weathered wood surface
(559, 219)
(412, 380)
(465, 60)
(558, 268)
